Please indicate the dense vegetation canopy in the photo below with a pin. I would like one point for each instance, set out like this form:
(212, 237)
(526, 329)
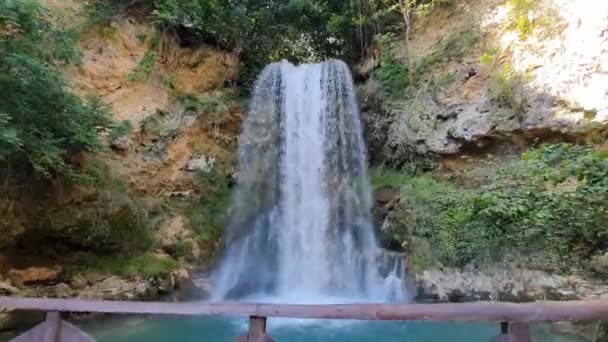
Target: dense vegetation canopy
(41, 121)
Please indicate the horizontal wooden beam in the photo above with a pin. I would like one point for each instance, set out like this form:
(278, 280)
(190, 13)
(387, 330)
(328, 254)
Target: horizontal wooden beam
(461, 312)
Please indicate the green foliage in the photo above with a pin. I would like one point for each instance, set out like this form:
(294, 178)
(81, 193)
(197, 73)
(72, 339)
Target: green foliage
(103, 11)
(519, 17)
(143, 265)
(121, 129)
(109, 228)
(554, 201)
(506, 84)
(145, 67)
(179, 249)
(506, 87)
(269, 30)
(523, 19)
(209, 215)
(457, 44)
(487, 59)
(394, 75)
(111, 221)
(215, 106)
(41, 122)
(380, 178)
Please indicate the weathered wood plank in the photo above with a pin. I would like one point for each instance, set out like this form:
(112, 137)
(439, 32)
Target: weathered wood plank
(257, 329)
(53, 329)
(461, 312)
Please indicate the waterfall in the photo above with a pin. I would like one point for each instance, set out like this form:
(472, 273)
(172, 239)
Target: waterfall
(301, 223)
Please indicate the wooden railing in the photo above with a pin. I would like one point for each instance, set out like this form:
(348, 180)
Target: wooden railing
(513, 318)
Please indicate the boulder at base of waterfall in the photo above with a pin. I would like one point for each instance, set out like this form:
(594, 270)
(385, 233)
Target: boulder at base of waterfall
(7, 289)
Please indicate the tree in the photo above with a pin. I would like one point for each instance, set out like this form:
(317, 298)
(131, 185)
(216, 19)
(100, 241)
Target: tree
(41, 122)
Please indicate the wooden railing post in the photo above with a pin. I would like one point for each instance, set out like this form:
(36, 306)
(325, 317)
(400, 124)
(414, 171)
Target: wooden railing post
(513, 332)
(257, 329)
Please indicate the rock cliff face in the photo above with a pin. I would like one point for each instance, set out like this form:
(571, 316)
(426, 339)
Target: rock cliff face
(179, 120)
(484, 89)
(503, 85)
(503, 283)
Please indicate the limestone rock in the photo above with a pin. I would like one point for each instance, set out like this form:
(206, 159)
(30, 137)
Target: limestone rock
(62, 290)
(502, 283)
(600, 263)
(204, 285)
(7, 289)
(34, 275)
(556, 83)
(166, 284)
(116, 288)
(200, 163)
(182, 279)
(78, 282)
(93, 278)
(122, 144)
(173, 230)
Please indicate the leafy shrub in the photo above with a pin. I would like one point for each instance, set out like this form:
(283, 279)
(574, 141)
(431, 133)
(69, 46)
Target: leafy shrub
(143, 265)
(113, 225)
(519, 16)
(41, 123)
(506, 88)
(209, 215)
(554, 201)
(216, 106)
(457, 44)
(120, 130)
(263, 30)
(179, 249)
(524, 21)
(394, 75)
(145, 67)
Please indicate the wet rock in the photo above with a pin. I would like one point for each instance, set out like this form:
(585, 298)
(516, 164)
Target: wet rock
(204, 285)
(182, 279)
(384, 197)
(167, 284)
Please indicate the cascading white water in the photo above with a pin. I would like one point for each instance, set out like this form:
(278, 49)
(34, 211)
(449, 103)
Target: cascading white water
(301, 224)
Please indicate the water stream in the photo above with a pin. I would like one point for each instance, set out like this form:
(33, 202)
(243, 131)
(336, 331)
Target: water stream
(301, 227)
